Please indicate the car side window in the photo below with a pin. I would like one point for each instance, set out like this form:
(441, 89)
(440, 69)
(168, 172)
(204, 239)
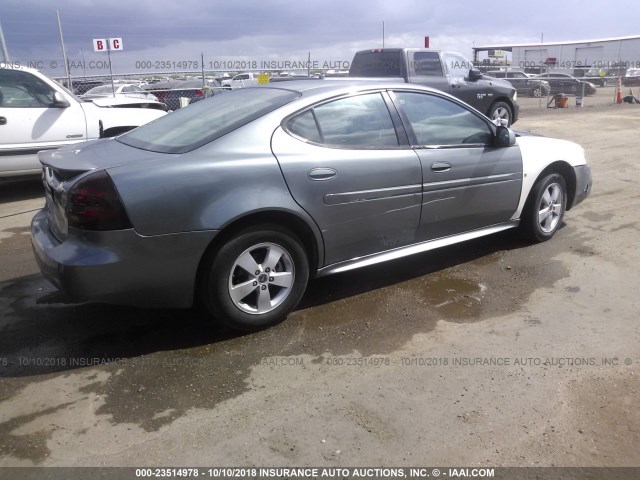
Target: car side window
(457, 65)
(362, 121)
(439, 121)
(22, 89)
(304, 125)
(427, 63)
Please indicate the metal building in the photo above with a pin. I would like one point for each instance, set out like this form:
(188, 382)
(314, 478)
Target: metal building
(565, 57)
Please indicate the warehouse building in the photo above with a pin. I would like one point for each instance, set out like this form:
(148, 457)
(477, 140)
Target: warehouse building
(571, 57)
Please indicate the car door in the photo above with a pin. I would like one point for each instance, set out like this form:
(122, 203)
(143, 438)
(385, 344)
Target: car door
(520, 82)
(467, 182)
(566, 84)
(476, 94)
(348, 164)
(29, 122)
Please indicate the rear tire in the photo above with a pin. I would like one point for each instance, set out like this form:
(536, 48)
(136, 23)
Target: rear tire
(543, 212)
(255, 279)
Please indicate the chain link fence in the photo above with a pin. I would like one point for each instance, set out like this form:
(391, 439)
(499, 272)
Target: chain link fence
(178, 89)
(556, 83)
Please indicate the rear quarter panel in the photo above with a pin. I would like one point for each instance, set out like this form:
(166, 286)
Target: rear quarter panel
(208, 188)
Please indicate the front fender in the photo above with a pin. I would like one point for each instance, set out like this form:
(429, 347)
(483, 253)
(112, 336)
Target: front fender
(538, 153)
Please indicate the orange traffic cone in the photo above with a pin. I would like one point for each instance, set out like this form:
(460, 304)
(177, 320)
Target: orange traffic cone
(619, 92)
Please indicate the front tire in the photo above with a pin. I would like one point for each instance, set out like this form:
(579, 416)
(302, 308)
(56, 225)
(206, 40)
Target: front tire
(543, 212)
(501, 111)
(255, 279)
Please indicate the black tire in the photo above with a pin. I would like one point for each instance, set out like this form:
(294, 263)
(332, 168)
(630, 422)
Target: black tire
(531, 226)
(221, 275)
(501, 110)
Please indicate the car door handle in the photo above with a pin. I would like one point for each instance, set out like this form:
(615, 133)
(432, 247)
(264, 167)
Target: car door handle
(3, 120)
(440, 166)
(322, 174)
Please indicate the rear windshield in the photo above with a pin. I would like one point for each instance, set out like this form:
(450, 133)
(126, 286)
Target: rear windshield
(191, 127)
(377, 64)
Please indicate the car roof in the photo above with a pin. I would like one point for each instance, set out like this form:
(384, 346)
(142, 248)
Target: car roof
(344, 85)
(9, 66)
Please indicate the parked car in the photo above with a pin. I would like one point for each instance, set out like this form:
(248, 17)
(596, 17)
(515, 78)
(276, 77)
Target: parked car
(193, 90)
(241, 198)
(80, 87)
(522, 83)
(602, 75)
(128, 90)
(631, 78)
(565, 83)
(37, 113)
(241, 80)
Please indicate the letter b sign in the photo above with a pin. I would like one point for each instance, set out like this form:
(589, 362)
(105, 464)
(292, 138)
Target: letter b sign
(99, 44)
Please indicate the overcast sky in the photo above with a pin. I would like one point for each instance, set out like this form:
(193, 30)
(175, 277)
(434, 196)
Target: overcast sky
(332, 30)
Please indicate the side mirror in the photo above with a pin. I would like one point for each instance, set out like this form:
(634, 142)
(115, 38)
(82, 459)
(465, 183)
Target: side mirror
(504, 137)
(475, 74)
(59, 101)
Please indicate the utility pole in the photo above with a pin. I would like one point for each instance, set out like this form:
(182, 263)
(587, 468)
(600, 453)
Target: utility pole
(204, 82)
(64, 54)
(5, 55)
(113, 88)
(383, 34)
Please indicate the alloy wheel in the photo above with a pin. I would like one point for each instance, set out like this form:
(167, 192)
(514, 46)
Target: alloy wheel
(261, 278)
(550, 209)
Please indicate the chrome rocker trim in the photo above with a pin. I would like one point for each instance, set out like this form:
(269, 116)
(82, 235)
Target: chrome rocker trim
(400, 252)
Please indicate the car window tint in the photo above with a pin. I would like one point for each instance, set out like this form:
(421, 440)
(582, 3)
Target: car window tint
(427, 63)
(22, 89)
(360, 121)
(305, 126)
(438, 121)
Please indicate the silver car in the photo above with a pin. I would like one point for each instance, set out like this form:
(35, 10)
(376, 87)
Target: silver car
(240, 199)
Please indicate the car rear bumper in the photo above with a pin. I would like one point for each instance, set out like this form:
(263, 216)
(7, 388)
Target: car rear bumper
(121, 267)
(584, 182)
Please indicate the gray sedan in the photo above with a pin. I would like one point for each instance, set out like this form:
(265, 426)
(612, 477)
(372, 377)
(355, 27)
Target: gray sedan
(240, 199)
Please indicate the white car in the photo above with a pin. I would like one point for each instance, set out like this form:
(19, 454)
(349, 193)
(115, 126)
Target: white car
(127, 90)
(38, 114)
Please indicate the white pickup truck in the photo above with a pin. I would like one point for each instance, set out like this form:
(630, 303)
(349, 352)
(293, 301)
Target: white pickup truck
(38, 114)
(240, 81)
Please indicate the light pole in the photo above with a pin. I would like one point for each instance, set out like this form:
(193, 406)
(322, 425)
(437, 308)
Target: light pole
(5, 54)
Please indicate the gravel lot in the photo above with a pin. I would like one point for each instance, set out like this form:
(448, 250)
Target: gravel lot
(490, 353)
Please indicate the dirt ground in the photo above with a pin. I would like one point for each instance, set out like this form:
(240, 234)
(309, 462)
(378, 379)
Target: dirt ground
(490, 353)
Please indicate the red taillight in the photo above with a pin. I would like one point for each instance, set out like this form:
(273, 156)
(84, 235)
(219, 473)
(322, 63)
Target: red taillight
(199, 93)
(94, 204)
